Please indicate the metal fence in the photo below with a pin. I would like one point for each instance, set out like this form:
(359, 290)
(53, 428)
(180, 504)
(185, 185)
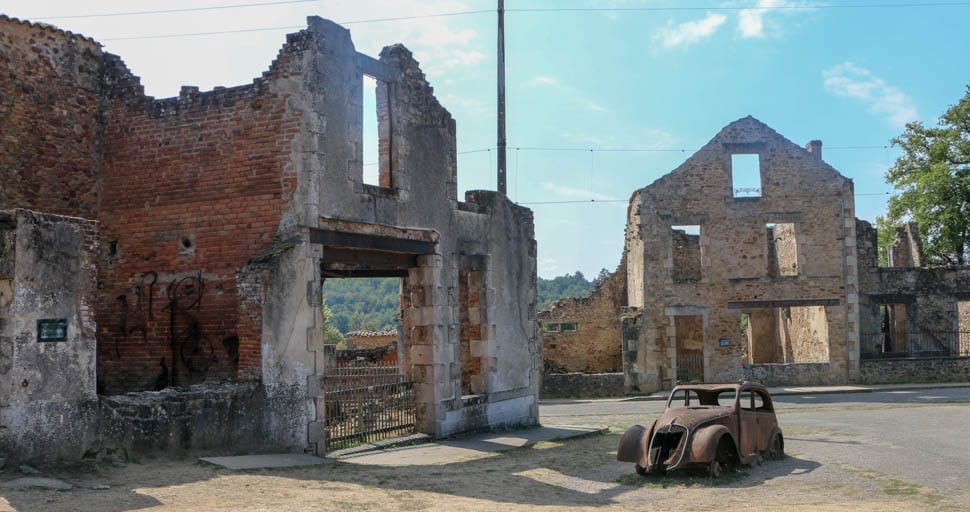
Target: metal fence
(690, 365)
(916, 344)
(366, 404)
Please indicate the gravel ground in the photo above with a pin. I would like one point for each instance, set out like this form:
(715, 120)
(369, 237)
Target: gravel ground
(579, 474)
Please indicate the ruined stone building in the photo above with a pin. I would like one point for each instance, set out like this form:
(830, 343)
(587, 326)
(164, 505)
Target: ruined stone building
(747, 261)
(579, 334)
(180, 244)
(743, 255)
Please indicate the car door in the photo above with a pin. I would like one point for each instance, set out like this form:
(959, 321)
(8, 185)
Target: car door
(747, 423)
(766, 419)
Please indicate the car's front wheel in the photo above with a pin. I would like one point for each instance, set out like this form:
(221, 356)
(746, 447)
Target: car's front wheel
(714, 469)
(642, 471)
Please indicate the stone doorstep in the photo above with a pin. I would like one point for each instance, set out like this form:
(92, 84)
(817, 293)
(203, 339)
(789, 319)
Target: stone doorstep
(384, 444)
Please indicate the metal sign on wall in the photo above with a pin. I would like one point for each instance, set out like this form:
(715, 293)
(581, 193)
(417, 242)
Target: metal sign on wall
(52, 329)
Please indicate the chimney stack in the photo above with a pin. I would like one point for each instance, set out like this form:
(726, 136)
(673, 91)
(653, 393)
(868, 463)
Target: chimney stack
(815, 148)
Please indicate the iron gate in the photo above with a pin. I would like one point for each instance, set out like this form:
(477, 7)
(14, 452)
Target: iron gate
(690, 365)
(366, 403)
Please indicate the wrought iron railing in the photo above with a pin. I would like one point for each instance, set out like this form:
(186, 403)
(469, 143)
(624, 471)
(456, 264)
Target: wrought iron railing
(916, 344)
(366, 404)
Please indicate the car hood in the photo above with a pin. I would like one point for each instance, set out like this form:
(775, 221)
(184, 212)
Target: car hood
(693, 417)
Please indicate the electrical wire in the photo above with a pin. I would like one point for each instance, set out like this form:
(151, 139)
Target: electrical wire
(170, 11)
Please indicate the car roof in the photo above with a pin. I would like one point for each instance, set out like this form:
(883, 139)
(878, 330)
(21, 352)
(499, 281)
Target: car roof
(722, 386)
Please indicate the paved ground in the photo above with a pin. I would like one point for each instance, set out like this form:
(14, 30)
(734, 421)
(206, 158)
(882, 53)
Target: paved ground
(878, 450)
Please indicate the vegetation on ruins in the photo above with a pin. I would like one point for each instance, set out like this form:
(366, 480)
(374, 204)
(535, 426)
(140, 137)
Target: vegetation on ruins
(932, 182)
(372, 304)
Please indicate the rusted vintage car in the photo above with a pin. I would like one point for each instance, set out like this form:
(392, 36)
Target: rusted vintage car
(709, 427)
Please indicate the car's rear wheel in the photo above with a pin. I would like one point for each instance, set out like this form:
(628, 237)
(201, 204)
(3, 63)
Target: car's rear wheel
(776, 448)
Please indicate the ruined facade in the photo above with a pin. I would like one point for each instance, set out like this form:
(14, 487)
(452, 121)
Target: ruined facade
(580, 334)
(743, 272)
(216, 215)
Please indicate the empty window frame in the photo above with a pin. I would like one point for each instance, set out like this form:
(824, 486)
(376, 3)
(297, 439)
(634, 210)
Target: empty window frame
(554, 327)
(782, 250)
(746, 175)
(686, 254)
(369, 139)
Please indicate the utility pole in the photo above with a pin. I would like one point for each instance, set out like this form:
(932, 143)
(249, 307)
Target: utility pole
(501, 96)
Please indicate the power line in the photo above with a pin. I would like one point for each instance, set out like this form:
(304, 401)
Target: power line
(881, 5)
(169, 11)
(487, 11)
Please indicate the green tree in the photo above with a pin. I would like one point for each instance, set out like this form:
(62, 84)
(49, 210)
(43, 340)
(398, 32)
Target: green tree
(331, 334)
(932, 181)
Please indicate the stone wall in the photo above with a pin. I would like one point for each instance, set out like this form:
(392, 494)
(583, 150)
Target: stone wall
(52, 90)
(48, 400)
(794, 374)
(808, 263)
(595, 345)
(581, 385)
(219, 419)
(899, 371)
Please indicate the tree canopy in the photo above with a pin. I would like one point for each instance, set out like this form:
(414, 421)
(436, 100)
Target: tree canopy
(932, 182)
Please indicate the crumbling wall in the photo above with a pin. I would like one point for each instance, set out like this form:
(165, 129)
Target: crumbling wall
(924, 303)
(797, 189)
(194, 187)
(51, 89)
(48, 400)
(595, 345)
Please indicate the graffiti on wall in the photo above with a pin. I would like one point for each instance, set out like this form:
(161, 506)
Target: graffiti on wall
(172, 312)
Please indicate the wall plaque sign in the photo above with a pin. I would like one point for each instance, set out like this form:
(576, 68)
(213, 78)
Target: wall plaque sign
(52, 329)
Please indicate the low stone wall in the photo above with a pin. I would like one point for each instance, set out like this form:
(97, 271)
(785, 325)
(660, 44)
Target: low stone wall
(795, 374)
(581, 385)
(897, 371)
(226, 418)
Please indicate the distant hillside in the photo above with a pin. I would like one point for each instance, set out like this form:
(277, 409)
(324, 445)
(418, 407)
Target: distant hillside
(372, 304)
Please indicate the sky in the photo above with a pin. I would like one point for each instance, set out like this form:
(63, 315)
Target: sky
(603, 96)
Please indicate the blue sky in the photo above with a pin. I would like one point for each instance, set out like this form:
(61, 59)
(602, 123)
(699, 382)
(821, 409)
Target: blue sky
(603, 99)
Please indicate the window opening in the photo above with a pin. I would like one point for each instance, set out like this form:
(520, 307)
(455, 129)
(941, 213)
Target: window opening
(568, 327)
(550, 328)
(782, 250)
(686, 253)
(746, 175)
(370, 140)
(797, 334)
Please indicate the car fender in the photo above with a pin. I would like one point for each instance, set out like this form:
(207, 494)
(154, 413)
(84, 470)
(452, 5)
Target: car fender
(703, 444)
(633, 445)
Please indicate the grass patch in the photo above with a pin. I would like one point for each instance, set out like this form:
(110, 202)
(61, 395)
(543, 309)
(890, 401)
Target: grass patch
(896, 487)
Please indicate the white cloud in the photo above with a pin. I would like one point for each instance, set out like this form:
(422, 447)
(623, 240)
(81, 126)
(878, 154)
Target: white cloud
(567, 92)
(752, 23)
(852, 81)
(543, 80)
(574, 192)
(689, 32)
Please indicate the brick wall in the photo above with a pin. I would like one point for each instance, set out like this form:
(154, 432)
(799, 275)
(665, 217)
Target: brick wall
(194, 188)
(49, 102)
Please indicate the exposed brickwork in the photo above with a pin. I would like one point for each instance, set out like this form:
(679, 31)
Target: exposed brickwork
(595, 345)
(194, 187)
(50, 94)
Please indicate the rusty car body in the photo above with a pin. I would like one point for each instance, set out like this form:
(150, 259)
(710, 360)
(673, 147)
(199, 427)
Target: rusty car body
(706, 426)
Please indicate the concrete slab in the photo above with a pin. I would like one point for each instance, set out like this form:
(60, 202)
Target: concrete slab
(267, 461)
(475, 446)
